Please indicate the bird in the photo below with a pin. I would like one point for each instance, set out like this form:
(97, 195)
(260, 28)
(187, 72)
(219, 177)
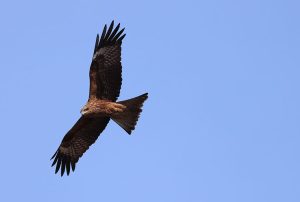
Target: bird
(105, 84)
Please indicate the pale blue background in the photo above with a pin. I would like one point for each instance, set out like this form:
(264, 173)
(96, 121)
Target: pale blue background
(221, 123)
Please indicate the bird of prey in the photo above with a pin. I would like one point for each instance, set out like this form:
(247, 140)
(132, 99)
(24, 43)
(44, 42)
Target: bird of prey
(105, 84)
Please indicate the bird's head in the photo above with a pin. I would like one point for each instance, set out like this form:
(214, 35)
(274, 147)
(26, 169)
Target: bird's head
(84, 110)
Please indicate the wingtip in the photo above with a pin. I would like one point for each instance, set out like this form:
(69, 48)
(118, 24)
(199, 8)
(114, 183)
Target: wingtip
(112, 24)
(110, 35)
(121, 38)
(146, 95)
(64, 165)
(73, 165)
(53, 155)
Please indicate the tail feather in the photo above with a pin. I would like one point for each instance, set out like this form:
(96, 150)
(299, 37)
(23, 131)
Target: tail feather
(128, 118)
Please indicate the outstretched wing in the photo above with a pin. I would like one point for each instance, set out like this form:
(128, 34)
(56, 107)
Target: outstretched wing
(82, 135)
(106, 68)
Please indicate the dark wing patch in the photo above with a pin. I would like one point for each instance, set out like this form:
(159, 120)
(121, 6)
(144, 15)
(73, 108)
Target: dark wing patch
(81, 136)
(106, 68)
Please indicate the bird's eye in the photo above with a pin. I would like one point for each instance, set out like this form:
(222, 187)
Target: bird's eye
(86, 109)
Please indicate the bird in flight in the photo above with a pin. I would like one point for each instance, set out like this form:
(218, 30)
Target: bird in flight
(105, 84)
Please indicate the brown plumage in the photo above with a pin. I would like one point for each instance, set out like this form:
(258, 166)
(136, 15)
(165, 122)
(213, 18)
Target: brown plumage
(105, 85)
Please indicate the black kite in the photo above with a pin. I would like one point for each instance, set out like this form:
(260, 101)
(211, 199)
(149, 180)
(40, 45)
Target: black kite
(105, 85)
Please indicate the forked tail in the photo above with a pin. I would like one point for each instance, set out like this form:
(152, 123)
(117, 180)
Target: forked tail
(128, 119)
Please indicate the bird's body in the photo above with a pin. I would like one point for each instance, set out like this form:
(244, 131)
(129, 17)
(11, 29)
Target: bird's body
(105, 84)
(102, 108)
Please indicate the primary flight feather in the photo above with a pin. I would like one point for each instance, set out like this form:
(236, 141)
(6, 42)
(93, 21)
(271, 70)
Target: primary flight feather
(105, 84)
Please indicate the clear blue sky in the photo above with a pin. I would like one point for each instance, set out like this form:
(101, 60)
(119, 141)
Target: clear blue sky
(222, 123)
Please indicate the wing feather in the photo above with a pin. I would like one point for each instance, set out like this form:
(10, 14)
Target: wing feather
(114, 32)
(96, 43)
(68, 166)
(117, 36)
(58, 165)
(102, 36)
(75, 143)
(121, 38)
(109, 30)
